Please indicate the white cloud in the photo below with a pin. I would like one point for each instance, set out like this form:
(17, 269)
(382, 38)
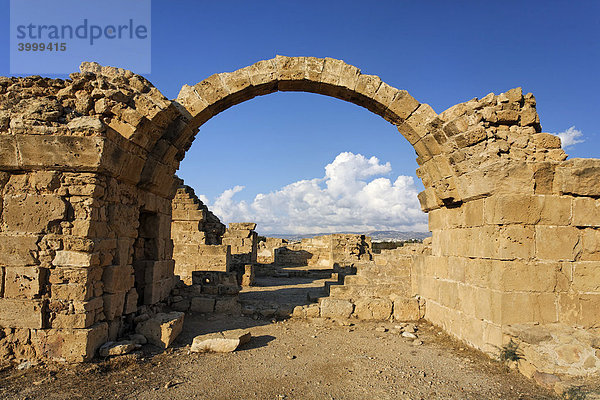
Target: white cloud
(570, 137)
(352, 196)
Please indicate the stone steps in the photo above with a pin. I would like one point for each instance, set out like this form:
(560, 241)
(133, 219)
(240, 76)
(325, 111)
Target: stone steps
(378, 291)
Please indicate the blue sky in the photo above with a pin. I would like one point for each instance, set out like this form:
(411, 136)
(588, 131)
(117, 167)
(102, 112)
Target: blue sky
(442, 52)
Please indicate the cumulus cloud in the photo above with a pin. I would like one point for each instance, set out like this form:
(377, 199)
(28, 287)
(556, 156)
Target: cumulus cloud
(352, 196)
(570, 137)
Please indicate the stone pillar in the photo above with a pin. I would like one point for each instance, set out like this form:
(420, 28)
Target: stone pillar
(244, 244)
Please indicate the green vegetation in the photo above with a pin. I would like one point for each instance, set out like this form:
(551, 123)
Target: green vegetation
(510, 352)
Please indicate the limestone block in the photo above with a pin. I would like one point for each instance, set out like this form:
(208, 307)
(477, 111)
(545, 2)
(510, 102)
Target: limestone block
(403, 104)
(528, 209)
(114, 304)
(32, 213)
(290, 69)
(23, 282)
(117, 348)
(373, 309)
(9, 158)
(557, 243)
(529, 116)
(336, 308)
(263, 72)
(236, 81)
(71, 345)
(16, 313)
(507, 117)
(73, 291)
(546, 141)
(221, 342)
(86, 124)
(242, 226)
(117, 278)
(515, 241)
(528, 307)
(72, 321)
(586, 276)
(420, 119)
(590, 245)
(81, 276)
(68, 258)
(579, 176)
(212, 89)
(163, 329)
(157, 290)
(406, 309)
(314, 68)
(131, 301)
(159, 270)
(60, 151)
(586, 212)
(521, 276)
(248, 277)
(202, 305)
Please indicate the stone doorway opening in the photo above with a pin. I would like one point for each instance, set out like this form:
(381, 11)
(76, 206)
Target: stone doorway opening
(145, 253)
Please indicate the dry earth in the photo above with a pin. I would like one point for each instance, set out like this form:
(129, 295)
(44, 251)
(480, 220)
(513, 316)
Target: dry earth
(292, 359)
(285, 360)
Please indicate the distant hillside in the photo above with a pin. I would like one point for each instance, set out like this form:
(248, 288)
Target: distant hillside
(376, 236)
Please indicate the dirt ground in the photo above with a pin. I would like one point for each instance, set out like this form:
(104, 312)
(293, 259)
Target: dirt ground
(290, 359)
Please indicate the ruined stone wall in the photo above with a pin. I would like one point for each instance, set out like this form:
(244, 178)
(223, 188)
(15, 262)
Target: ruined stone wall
(266, 250)
(522, 246)
(87, 178)
(196, 234)
(320, 252)
(81, 246)
(243, 240)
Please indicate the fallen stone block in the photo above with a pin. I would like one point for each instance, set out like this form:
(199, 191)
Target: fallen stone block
(117, 348)
(222, 342)
(163, 329)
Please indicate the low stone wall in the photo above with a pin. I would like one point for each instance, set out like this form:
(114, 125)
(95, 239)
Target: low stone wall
(319, 252)
(266, 250)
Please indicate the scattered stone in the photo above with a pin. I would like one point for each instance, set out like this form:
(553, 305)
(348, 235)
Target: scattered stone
(163, 329)
(417, 342)
(25, 365)
(381, 329)
(545, 379)
(117, 348)
(221, 342)
(409, 335)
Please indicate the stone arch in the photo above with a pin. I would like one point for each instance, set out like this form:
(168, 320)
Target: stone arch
(416, 121)
(515, 225)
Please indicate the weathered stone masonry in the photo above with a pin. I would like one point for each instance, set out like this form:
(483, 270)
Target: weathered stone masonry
(88, 177)
(197, 235)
